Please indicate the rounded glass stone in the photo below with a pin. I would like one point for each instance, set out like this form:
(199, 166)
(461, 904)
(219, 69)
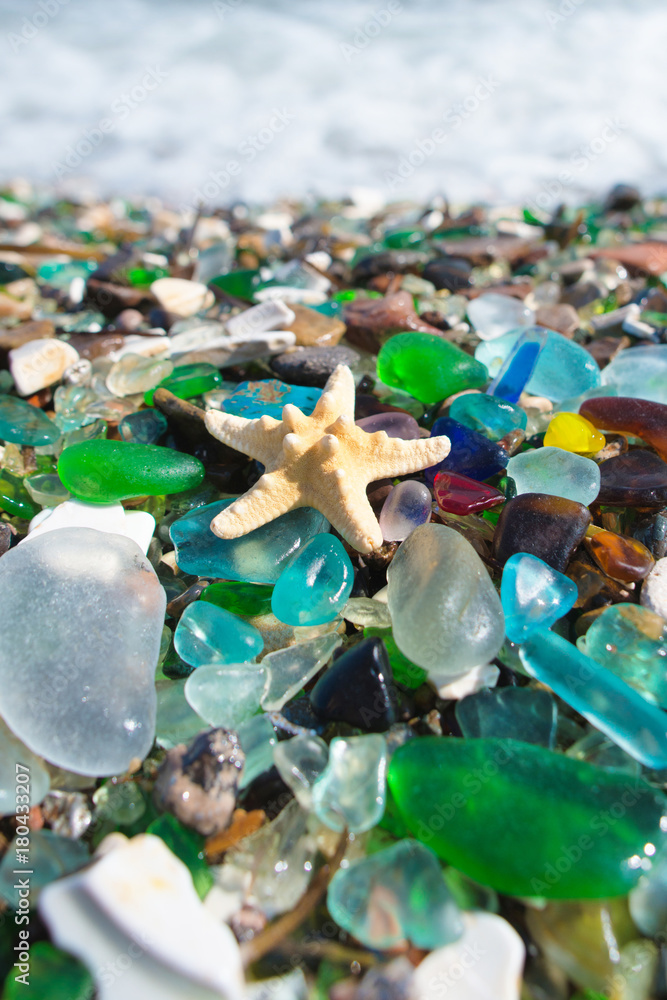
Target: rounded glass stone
(407, 506)
(488, 415)
(314, 587)
(143, 427)
(428, 367)
(206, 634)
(555, 472)
(21, 423)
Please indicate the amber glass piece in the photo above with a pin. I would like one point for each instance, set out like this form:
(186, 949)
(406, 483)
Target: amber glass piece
(636, 479)
(621, 558)
(641, 417)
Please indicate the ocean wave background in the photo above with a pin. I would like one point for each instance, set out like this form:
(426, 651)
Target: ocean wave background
(530, 99)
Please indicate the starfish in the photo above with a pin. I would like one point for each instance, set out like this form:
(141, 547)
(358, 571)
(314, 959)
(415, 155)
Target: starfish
(323, 461)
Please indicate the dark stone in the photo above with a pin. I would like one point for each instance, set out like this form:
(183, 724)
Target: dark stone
(268, 792)
(358, 688)
(452, 273)
(368, 406)
(112, 299)
(652, 532)
(636, 479)
(198, 784)
(583, 292)
(311, 365)
(398, 261)
(621, 198)
(545, 526)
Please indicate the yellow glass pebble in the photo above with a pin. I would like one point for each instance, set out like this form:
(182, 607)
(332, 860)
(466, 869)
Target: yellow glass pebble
(571, 432)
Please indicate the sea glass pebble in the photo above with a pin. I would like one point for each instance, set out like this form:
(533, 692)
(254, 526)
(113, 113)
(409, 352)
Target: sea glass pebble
(509, 713)
(546, 526)
(88, 660)
(407, 506)
(226, 695)
(397, 894)
(133, 374)
(206, 634)
(555, 472)
(635, 479)
(314, 586)
(471, 454)
(258, 557)
(473, 801)
(188, 380)
(622, 558)
(24, 424)
(300, 762)
(609, 704)
(631, 641)
(395, 425)
(457, 494)
(245, 599)
(640, 373)
(428, 367)
(572, 432)
(351, 790)
(489, 415)
(518, 365)
(268, 397)
(358, 688)
(14, 757)
(143, 427)
(291, 668)
(641, 417)
(446, 614)
(533, 595)
(492, 315)
(104, 471)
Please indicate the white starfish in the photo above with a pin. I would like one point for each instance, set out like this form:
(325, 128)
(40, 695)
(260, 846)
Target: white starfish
(323, 461)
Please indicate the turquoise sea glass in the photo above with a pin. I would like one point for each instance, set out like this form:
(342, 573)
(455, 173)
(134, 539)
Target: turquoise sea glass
(631, 641)
(533, 595)
(209, 635)
(21, 423)
(488, 415)
(267, 397)
(315, 585)
(526, 714)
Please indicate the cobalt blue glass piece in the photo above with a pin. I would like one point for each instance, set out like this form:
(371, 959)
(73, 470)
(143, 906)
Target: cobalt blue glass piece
(472, 454)
(519, 366)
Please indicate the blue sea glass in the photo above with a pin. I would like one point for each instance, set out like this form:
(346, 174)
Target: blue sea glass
(471, 454)
(557, 472)
(315, 585)
(563, 367)
(258, 557)
(525, 714)
(207, 634)
(397, 893)
(145, 426)
(267, 397)
(606, 701)
(21, 423)
(488, 415)
(631, 641)
(518, 367)
(533, 596)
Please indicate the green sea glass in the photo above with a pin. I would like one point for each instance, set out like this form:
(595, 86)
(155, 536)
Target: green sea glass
(428, 367)
(246, 599)
(187, 381)
(104, 471)
(527, 821)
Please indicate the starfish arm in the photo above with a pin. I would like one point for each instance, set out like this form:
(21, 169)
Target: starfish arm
(337, 397)
(271, 496)
(350, 513)
(396, 457)
(260, 439)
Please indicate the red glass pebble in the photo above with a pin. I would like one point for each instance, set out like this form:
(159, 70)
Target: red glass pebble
(457, 494)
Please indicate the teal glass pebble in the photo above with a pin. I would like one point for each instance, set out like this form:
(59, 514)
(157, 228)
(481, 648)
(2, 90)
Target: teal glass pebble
(631, 641)
(526, 714)
(533, 596)
(258, 557)
(351, 791)
(396, 894)
(50, 854)
(606, 701)
(488, 415)
(225, 695)
(21, 423)
(257, 399)
(71, 403)
(315, 585)
(206, 634)
(143, 427)
(640, 373)
(258, 740)
(176, 722)
(563, 367)
(556, 472)
(60, 274)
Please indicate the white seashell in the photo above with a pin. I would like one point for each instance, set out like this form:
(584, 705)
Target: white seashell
(138, 525)
(486, 963)
(270, 315)
(148, 347)
(135, 920)
(40, 363)
(182, 297)
(286, 293)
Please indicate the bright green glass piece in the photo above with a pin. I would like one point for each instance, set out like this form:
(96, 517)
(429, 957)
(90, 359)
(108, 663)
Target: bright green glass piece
(24, 424)
(142, 277)
(188, 846)
(242, 284)
(246, 599)
(527, 821)
(54, 975)
(631, 641)
(488, 415)
(404, 670)
(14, 498)
(188, 380)
(428, 367)
(104, 471)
